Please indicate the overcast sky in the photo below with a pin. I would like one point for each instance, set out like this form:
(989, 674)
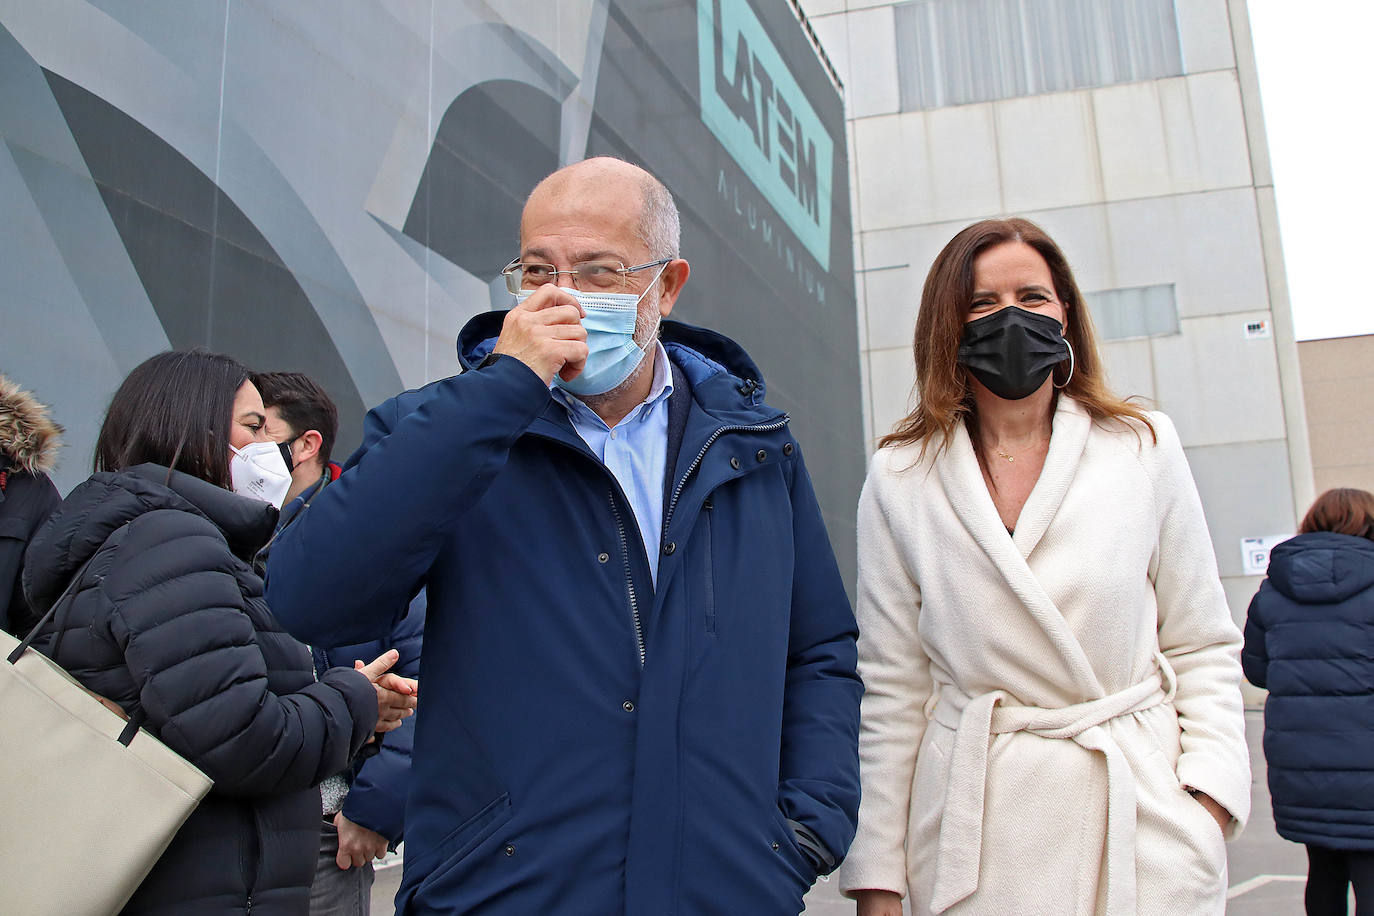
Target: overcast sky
(1314, 60)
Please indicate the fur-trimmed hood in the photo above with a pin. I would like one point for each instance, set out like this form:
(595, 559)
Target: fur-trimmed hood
(29, 438)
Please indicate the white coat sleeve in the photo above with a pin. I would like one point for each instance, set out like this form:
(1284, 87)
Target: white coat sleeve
(1197, 635)
(897, 683)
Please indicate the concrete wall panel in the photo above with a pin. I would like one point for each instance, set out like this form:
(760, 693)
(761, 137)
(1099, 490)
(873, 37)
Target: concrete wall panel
(1047, 151)
(965, 175)
(1130, 368)
(1218, 386)
(893, 146)
(1131, 141)
(1204, 30)
(1207, 244)
(1245, 493)
(891, 386)
(861, 47)
(1204, 127)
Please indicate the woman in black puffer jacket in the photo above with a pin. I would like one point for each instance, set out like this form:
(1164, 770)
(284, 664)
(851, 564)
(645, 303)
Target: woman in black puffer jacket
(168, 617)
(1309, 638)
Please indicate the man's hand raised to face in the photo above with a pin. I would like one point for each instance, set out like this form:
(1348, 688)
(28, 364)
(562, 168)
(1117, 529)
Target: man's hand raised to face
(545, 333)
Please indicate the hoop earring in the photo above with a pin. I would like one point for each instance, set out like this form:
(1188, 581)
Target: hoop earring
(1069, 377)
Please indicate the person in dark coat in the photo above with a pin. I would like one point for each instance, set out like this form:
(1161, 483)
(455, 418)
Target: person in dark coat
(167, 618)
(1308, 639)
(29, 441)
(364, 806)
(639, 665)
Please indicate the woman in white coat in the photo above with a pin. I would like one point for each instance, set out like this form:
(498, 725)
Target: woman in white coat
(1052, 720)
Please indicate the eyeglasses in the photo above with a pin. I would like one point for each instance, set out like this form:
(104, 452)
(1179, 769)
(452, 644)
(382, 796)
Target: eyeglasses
(607, 276)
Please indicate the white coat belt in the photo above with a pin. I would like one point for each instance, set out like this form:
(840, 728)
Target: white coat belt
(961, 828)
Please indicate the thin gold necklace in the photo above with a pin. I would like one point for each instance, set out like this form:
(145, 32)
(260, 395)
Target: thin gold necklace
(1011, 457)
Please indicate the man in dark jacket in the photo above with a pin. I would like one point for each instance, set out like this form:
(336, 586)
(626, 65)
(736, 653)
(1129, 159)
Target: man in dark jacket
(640, 684)
(28, 450)
(364, 806)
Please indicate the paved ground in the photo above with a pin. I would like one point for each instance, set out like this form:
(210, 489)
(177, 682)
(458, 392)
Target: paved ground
(1266, 872)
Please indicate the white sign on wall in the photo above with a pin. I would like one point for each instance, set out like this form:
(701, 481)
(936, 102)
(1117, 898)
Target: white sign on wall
(1254, 553)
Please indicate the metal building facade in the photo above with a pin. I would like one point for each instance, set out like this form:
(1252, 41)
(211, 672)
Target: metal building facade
(334, 188)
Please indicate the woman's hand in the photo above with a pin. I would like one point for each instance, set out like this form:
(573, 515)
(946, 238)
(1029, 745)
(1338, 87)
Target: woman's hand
(1219, 814)
(877, 903)
(396, 695)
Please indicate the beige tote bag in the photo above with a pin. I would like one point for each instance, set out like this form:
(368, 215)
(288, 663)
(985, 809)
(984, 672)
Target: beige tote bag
(88, 801)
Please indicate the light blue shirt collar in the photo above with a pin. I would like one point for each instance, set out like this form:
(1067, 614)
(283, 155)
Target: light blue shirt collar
(661, 389)
(635, 451)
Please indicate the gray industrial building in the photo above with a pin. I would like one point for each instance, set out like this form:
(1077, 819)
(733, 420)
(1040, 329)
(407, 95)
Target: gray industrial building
(334, 188)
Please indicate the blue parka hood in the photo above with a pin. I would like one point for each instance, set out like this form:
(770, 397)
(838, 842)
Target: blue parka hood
(1322, 567)
(706, 357)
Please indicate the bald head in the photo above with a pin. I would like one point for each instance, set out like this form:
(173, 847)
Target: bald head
(591, 183)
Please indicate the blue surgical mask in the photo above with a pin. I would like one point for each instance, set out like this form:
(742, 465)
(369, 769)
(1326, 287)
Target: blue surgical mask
(612, 353)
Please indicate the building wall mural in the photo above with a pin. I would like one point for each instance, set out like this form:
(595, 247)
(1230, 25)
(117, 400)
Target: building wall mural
(334, 188)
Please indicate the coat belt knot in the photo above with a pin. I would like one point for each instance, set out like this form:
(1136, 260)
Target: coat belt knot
(961, 828)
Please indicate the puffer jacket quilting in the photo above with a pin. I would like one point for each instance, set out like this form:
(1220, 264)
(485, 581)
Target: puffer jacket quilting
(1309, 639)
(169, 618)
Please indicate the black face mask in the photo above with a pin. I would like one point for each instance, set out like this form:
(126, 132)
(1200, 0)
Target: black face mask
(1012, 351)
(286, 453)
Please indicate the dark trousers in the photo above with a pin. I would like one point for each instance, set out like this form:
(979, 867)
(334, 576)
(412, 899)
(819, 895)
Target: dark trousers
(1330, 872)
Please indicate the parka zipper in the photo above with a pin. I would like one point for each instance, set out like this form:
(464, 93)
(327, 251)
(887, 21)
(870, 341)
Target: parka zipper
(667, 516)
(696, 462)
(253, 864)
(624, 541)
(629, 578)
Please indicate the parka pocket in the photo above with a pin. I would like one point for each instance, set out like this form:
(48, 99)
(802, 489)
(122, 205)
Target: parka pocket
(784, 844)
(463, 839)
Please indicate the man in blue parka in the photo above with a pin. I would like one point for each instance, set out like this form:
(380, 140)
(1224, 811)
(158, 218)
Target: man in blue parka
(639, 676)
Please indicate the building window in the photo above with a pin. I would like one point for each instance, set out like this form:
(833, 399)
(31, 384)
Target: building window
(1138, 311)
(954, 52)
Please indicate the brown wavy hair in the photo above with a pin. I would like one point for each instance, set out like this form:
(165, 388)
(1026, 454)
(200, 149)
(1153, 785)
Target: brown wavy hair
(944, 393)
(1343, 510)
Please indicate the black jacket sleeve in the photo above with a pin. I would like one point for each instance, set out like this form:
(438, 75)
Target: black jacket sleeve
(1254, 657)
(178, 613)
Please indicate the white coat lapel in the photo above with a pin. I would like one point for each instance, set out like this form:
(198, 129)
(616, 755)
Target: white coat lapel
(1071, 427)
(962, 480)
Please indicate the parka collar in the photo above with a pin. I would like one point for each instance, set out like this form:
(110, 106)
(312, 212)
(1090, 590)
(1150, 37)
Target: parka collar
(724, 380)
